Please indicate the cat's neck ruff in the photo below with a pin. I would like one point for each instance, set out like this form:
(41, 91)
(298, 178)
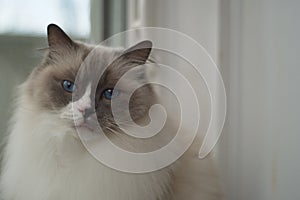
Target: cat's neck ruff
(45, 155)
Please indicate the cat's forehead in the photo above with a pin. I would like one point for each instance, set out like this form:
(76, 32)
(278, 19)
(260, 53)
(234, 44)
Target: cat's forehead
(83, 60)
(100, 62)
(100, 57)
(105, 55)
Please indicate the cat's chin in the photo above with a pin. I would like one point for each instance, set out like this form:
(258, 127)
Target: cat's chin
(85, 126)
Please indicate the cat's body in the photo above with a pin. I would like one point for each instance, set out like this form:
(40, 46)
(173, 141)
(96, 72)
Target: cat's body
(45, 160)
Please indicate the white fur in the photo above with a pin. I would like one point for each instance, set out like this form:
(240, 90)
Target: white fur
(85, 101)
(44, 161)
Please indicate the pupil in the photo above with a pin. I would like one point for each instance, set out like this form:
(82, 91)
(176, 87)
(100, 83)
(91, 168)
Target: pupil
(68, 86)
(110, 93)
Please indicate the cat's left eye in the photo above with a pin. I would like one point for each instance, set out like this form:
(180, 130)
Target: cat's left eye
(110, 93)
(68, 86)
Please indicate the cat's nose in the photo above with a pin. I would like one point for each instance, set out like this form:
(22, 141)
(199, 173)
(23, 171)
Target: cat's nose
(88, 112)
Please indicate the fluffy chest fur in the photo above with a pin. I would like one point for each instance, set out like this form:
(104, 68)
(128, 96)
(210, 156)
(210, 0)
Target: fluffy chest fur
(47, 158)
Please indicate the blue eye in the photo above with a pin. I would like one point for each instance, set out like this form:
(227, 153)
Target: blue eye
(110, 93)
(68, 86)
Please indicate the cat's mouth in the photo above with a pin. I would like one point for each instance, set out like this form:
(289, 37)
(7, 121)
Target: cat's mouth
(83, 125)
(78, 122)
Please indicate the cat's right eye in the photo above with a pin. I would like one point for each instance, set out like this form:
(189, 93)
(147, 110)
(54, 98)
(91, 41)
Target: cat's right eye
(68, 86)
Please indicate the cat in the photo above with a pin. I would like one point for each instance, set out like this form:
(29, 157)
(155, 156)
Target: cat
(44, 158)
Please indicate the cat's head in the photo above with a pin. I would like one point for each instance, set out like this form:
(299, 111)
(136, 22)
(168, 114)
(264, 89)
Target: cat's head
(71, 90)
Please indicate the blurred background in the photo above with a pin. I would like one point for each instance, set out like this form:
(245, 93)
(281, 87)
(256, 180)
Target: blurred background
(255, 44)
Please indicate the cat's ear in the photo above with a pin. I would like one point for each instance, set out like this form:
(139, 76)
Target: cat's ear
(139, 52)
(57, 37)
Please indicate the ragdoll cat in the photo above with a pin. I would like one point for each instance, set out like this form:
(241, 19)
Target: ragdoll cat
(44, 158)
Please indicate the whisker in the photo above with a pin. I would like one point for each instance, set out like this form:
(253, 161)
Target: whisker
(119, 136)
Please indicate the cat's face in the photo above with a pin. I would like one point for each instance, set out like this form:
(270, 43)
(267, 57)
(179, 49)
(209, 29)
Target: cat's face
(76, 92)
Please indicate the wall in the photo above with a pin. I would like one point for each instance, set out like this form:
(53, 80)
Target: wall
(259, 60)
(196, 18)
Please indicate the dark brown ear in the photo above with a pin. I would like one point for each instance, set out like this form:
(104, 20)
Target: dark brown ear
(139, 52)
(57, 37)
